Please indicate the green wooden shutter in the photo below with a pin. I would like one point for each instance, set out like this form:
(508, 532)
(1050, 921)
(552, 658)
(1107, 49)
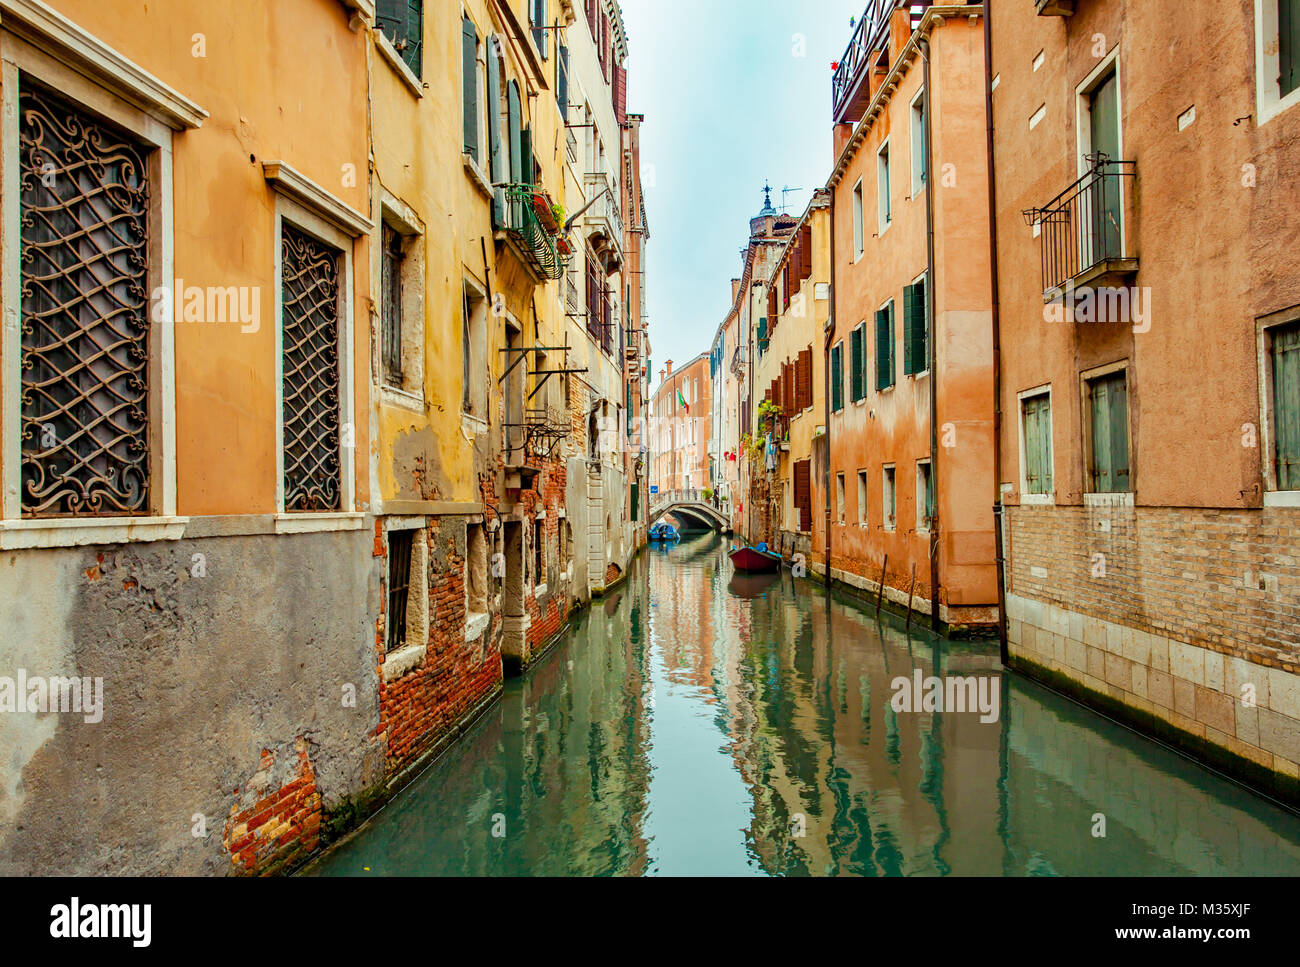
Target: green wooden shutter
(496, 147)
(562, 81)
(469, 85)
(909, 335)
(1288, 16)
(855, 364)
(1110, 470)
(1286, 405)
(837, 378)
(1038, 445)
(514, 132)
(884, 348)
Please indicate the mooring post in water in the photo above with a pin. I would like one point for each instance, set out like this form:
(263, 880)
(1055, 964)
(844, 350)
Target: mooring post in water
(908, 626)
(880, 591)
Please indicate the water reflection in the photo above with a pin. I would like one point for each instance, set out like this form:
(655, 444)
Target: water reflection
(693, 724)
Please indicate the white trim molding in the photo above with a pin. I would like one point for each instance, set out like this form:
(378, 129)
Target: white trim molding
(289, 181)
(79, 532)
(56, 35)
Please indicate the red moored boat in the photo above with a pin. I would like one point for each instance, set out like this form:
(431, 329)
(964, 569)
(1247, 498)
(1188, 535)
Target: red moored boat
(754, 560)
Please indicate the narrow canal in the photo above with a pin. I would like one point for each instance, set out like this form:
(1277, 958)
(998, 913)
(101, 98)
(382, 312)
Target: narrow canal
(691, 724)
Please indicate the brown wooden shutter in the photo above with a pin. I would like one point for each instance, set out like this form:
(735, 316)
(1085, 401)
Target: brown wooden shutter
(803, 494)
(805, 246)
(620, 93)
(771, 302)
(803, 380)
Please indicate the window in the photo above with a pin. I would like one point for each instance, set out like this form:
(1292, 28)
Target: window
(885, 209)
(562, 81)
(888, 498)
(839, 497)
(539, 552)
(537, 18)
(474, 351)
(1288, 45)
(837, 377)
(310, 306)
(399, 586)
(803, 495)
(920, 163)
(858, 362)
(916, 329)
(858, 240)
(1102, 131)
(476, 569)
(402, 22)
(924, 496)
(84, 231)
(862, 497)
(1107, 433)
(390, 313)
(885, 346)
(1284, 350)
(469, 87)
(1036, 444)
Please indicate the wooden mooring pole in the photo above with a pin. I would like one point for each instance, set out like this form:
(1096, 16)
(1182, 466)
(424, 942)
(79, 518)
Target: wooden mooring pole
(880, 591)
(908, 626)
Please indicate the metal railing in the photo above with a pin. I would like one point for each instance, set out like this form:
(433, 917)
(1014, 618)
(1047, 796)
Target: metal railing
(866, 37)
(539, 243)
(1082, 227)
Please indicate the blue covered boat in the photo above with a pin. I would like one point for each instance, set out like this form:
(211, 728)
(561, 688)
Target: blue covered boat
(664, 532)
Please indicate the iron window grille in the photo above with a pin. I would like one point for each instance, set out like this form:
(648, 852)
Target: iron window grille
(399, 586)
(84, 198)
(310, 296)
(402, 22)
(390, 316)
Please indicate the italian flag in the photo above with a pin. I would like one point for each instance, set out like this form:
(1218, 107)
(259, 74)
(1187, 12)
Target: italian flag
(681, 401)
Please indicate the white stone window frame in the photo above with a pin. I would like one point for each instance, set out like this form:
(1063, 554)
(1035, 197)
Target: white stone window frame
(411, 655)
(884, 192)
(918, 181)
(889, 489)
(1269, 102)
(859, 203)
(922, 522)
(1026, 498)
(40, 42)
(400, 217)
(471, 423)
(1123, 498)
(309, 208)
(1267, 436)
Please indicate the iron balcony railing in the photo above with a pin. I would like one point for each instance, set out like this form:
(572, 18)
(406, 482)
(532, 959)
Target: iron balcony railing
(866, 40)
(1082, 228)
(540, 243)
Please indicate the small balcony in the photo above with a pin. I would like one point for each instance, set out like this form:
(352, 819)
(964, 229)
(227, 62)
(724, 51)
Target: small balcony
(1083, 235)
(1055, 8)
(532, 229)
(603, 219)
(851, 84)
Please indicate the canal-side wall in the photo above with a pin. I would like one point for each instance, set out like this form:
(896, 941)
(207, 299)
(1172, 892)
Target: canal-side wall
(236, 672)
(1190, 631)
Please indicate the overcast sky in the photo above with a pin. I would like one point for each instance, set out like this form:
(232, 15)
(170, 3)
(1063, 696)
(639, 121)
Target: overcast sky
(728, 104)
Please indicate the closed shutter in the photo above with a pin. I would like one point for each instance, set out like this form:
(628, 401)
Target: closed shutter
(788, 400)
(1109, 402)
(915, 330)
(1286, 405)
(803, 380)
(856, 365)
(803, 495)
(1038, 445)
(496, 146)
(785, 285)
(469, 85)
(884, 348)
(513, 132)
(620, 93)
(762, 335)
(805, 248)
(837, 377)
(526, 164)
(562, 82)
(539, 33)
(771, 299)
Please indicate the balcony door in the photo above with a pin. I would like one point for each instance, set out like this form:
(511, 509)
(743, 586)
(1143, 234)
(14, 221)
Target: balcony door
(1103, 208)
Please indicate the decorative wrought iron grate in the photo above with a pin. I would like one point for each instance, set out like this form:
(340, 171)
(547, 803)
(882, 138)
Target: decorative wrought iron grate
(85, 349)
(399, 586)
(310, 281)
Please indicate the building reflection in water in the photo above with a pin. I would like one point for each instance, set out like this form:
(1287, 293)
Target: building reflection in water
(685, 728)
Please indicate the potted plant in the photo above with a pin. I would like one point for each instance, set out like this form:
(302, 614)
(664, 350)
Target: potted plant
(544, 208)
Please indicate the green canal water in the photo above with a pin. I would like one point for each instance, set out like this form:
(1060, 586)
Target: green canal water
(693, 724)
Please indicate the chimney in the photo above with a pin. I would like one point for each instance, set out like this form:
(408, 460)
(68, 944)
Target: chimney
(735, 289)
(669, 364)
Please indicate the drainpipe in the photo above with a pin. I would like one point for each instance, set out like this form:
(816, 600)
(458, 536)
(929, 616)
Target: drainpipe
(997, 339)
(826, 399)
(932, 348)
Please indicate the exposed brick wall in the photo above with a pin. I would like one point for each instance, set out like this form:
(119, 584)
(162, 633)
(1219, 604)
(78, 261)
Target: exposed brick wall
(1182, 573)
(418, 708)
(612, 573)
(277, 814)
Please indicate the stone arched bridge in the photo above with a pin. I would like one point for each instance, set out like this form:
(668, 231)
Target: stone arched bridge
(687, 504)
